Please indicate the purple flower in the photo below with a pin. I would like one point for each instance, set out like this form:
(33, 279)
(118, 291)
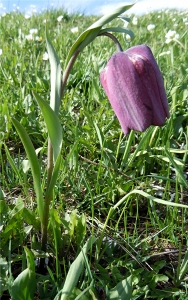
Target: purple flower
(135, 88)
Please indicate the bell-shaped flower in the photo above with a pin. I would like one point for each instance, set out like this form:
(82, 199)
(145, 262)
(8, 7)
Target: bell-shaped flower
(135, 88)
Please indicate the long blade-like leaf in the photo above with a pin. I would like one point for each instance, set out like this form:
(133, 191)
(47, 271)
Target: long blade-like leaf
(55, 80)
(90, 33)
(150, 197)
(118, 29)
(177, 168)
(35, 168)
(49, 192)
(12, 163)
(75, 270)
(53, 125)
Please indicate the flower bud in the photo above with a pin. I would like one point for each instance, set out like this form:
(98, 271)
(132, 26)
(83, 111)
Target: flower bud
(135, 88)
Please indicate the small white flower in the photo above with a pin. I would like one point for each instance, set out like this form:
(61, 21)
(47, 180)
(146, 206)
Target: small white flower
(168, 41)
(164, 53)
(1, 51)
(150, 27)
(45, 21)
(33, 31)
(29, 37)
(128, 38)
(34, 11)
(27, 17)
(177, 36)
(135, 20)
(59, 19)
(45, 56)
(171, 36)
(74, 29)
(38, 38)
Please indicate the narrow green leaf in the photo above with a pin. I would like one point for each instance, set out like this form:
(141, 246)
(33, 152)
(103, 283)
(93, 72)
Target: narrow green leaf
(184, 267)
(75, 270)
(3, 275)
(12, 163)
(54, 176)
(118, 29)
(30, 259)
(35, 168)
(3, 206)
(53, 125)
(164, 158)
(55, 97)
(90, 33)
(125, 19)
(177, 168)
(171, 150)
(100, 135)
(2, 196)
(150, 197)
(140, 146)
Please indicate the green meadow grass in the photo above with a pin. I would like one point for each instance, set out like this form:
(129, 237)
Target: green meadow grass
(143, 238)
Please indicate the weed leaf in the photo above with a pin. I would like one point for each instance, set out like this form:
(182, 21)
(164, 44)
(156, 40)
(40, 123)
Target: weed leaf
(123, 290)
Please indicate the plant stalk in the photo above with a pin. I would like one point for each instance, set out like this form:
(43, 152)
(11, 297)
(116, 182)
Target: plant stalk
(114, 39)
(67, 71)
(49, 198)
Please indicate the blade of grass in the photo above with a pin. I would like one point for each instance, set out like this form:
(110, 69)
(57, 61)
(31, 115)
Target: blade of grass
(177, 168)
(75, 270)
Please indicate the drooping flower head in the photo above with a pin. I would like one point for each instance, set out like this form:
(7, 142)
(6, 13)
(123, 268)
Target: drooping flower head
(135, 88)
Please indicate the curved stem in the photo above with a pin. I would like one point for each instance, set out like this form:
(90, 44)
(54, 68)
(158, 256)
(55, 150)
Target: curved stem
(67, 71)
(48, 198)
(114, 39)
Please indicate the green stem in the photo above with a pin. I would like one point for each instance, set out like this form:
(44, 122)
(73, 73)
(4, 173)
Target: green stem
(114, 39)
(67, 71)
(48, 197)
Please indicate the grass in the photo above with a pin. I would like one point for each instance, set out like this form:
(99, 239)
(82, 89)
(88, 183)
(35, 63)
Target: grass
(141, 244)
